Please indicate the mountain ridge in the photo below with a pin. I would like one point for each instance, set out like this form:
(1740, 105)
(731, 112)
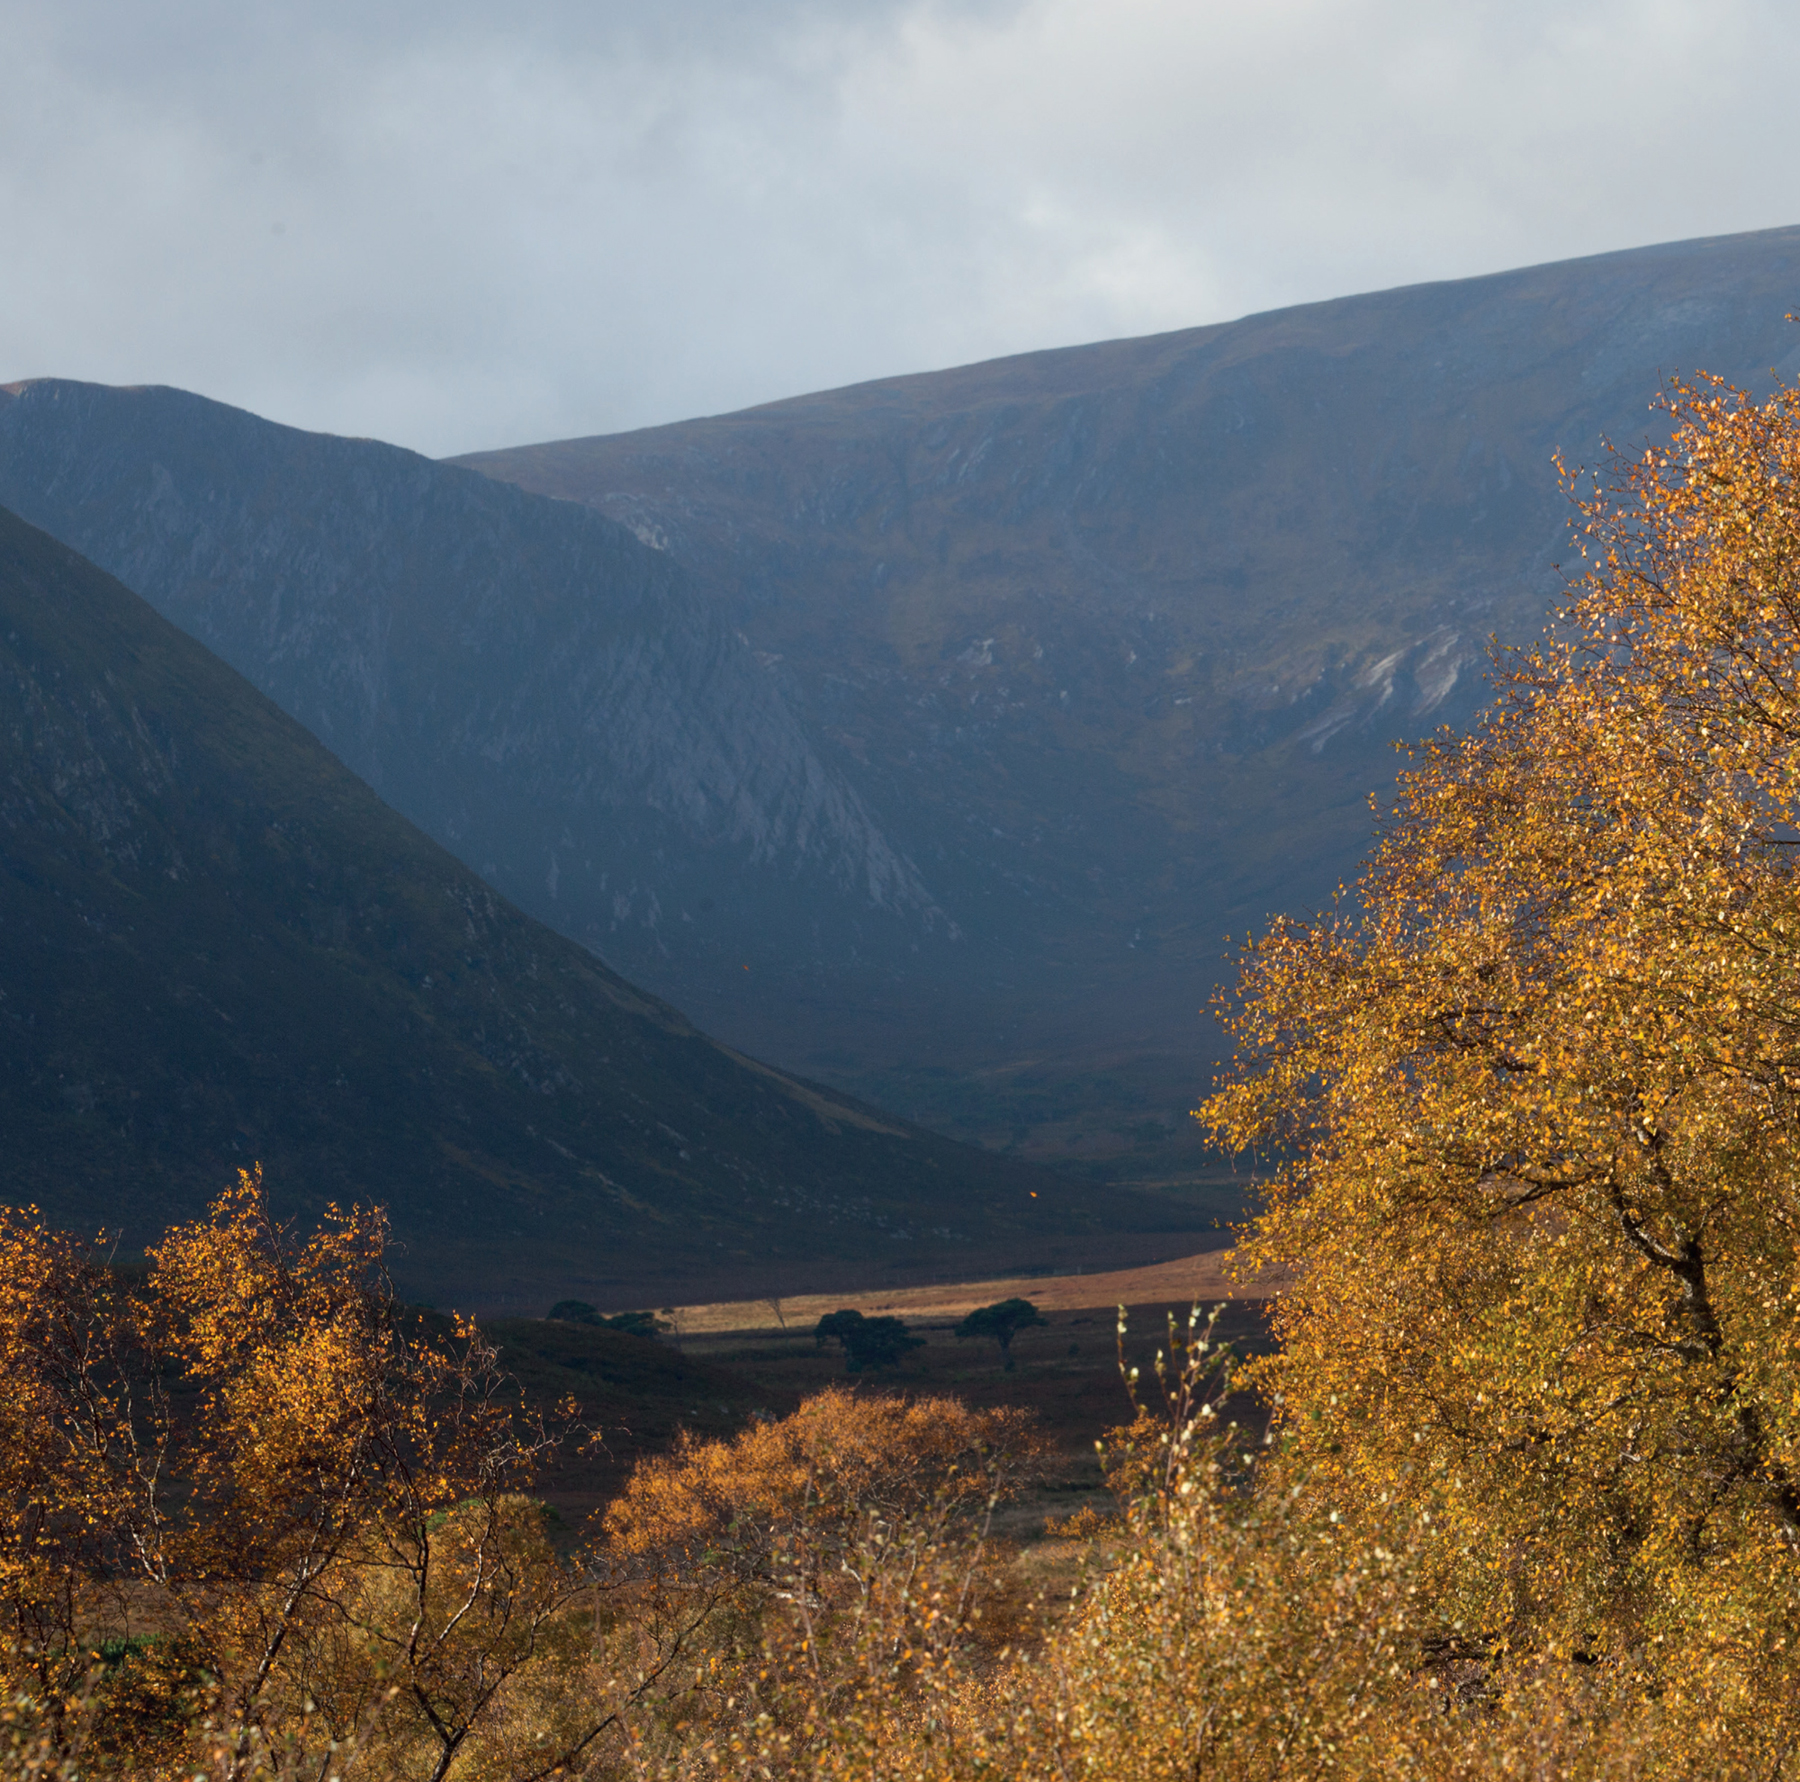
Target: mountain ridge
(1024, 685)
(1102, 354)
(1139, 622)
(217, 945)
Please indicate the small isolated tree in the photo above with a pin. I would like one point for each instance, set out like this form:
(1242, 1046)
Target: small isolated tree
(578, 1311)
(1001, 1321)
(573, 1311)
(638, 1324)
(868, 1343)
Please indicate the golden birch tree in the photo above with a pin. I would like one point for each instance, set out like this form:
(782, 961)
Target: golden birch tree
(1539, 1092)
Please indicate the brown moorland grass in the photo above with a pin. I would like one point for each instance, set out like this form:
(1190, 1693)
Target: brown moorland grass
(1206, 1276)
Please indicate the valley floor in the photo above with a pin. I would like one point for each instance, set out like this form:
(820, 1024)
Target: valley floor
(1185, 1280)
(729, 1360)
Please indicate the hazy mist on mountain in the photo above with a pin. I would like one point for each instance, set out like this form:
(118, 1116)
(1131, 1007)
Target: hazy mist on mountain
(218, 945)
(970, 711)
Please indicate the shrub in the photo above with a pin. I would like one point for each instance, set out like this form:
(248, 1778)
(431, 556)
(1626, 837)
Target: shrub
(826, 1572)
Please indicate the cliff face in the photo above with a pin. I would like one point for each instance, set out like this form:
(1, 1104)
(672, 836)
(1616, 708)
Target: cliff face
(537, 689)
(218, 945)
(971, 711)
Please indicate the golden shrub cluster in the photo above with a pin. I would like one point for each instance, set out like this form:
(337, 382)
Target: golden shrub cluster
(262, 1522)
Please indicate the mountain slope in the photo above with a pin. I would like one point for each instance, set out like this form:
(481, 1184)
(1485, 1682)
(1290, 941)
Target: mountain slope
(525, 680)
(218, 945)
(1117, 637)
(972, 711)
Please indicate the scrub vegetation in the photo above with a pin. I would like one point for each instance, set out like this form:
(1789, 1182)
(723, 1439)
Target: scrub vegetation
(1527, 1503)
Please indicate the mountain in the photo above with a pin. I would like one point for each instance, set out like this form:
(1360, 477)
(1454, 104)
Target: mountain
(1117, 638)
(973, 710)
(535, 688)
(218, 945)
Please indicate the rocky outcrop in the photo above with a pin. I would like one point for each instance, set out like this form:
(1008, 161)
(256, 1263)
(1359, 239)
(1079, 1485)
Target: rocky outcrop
(527, 681)
(218, 946)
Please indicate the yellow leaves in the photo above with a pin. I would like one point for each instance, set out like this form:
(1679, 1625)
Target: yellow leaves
(256, 1437)
(1572, 974)
(238, 1279)
(838, 1455)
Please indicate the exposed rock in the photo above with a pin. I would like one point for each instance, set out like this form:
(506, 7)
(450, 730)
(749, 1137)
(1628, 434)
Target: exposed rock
(217, 946)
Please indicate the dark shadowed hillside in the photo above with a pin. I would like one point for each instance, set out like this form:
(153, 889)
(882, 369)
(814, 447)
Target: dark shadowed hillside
(536, 689)
(218, 945)
(1116, 637)
(970, 711)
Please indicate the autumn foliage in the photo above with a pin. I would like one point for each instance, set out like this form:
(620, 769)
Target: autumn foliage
(253, 1515)
(1527, 1499)
(1540, 1093)
(838, 1460)
(261, 1521)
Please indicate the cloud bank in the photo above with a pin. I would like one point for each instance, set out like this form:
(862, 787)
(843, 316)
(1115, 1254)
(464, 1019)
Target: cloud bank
(457, 226)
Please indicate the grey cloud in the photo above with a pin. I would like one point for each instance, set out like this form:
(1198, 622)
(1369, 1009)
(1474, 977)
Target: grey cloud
(456, 225)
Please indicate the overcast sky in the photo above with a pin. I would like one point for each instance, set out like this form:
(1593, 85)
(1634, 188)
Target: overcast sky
(457, 225)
